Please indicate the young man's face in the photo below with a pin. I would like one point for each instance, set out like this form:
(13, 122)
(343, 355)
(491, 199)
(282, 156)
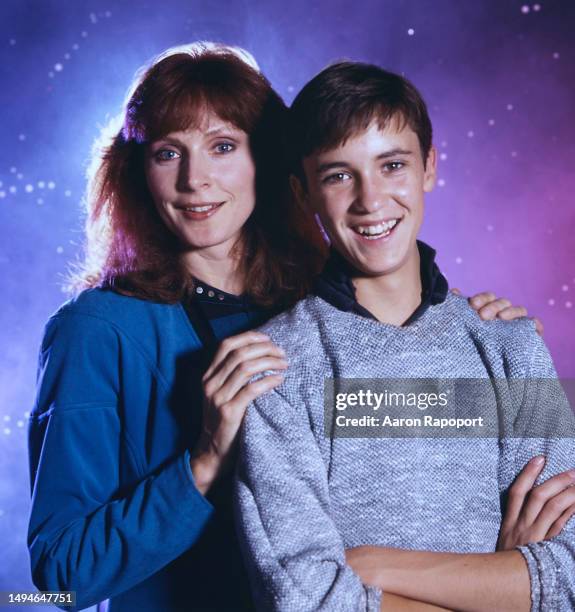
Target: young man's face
(369, 195)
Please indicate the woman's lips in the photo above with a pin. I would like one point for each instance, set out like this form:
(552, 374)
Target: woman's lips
(199, 211)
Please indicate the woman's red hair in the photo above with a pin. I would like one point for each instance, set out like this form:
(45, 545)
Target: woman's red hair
(128, 246)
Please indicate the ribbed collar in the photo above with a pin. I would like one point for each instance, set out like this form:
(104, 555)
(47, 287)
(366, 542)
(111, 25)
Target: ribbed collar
(334, 284)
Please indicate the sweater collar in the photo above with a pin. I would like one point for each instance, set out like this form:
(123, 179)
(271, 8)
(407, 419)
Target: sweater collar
(335, 286)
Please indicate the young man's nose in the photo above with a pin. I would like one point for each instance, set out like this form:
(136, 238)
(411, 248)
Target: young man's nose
(195, 173)
(371, 195)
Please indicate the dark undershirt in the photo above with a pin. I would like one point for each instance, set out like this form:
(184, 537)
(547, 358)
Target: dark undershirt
(212, 311)
(335, 286)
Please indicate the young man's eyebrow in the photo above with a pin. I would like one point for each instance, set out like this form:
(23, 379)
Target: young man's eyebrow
(342, 164)
(394, 153)
(330, 166)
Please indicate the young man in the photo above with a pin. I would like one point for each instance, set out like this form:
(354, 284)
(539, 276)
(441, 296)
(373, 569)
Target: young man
(364, 159)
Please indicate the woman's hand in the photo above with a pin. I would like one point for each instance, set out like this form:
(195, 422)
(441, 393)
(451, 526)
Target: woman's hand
(489, 307)
(227, 394)
(536, 513)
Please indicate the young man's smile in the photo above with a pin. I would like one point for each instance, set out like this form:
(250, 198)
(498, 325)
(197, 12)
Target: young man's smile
(369, 194)
(377, 231)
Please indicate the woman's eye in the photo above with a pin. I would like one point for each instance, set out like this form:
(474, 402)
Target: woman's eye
(225, 147)
(166, 154)
(338, 177)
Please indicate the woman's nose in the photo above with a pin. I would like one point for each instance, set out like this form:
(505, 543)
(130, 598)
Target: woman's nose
(194, 173)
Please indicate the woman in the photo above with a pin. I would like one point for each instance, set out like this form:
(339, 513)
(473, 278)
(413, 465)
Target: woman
(190, 240)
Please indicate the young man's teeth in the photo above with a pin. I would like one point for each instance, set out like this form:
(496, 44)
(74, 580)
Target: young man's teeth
(377, 230)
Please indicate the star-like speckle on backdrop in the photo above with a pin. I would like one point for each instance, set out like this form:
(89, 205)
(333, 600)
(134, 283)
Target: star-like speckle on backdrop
(498, 78)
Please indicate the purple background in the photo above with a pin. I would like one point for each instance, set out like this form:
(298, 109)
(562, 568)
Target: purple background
(498, 77)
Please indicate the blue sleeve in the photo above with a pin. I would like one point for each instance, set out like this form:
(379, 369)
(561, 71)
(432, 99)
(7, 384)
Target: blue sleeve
(87, 533)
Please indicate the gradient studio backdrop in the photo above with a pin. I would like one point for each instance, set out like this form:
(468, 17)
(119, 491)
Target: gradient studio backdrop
(498, 77)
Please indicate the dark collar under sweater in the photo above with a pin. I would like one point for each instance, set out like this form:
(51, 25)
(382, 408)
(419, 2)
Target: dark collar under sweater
(335, 286)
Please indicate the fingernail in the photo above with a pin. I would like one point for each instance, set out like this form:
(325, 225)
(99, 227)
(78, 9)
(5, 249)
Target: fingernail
(537, 460)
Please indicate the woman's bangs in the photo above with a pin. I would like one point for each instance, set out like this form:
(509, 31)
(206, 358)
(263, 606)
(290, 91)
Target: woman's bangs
(189, 110)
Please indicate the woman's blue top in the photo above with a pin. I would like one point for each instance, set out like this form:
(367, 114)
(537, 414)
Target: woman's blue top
(115, 511)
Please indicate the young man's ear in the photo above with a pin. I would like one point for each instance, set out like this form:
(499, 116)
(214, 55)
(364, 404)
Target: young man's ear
(430, 173)
(317, 234)
(299, 192)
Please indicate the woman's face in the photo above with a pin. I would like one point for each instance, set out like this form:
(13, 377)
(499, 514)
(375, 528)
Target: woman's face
(202, 182)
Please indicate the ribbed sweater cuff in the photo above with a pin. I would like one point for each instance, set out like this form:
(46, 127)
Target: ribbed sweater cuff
(542, 576)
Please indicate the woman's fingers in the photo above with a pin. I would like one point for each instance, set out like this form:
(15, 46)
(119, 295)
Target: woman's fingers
(226, 360)
(492, 309)
(242, 374)
(230, 414)
(489, 307)
(513, 312)
(480, 300)
(228, 392)
(221, 423)
(252, 391)
(538, 326)
(520, 488)
(232, 343)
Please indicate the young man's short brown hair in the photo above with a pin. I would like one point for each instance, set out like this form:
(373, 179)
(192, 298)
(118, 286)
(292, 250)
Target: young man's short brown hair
(343, 99)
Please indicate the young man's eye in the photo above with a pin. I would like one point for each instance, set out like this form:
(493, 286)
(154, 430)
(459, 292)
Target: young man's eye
(225, 147)
(338, 177)
(166, 155)
(394, 166)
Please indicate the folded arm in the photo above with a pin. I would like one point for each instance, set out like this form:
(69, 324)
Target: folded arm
(471, 582)
(538, 575)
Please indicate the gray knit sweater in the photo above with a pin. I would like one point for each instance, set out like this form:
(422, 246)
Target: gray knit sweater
(303, 497)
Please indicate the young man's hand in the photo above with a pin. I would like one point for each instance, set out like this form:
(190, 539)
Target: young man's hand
(536, 513)
(489, 307)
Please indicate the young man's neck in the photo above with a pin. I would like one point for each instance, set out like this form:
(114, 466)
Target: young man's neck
(392, 298)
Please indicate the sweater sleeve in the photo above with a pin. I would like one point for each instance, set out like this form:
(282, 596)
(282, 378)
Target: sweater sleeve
(87, 533)
(547, 414)
(293, 551)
